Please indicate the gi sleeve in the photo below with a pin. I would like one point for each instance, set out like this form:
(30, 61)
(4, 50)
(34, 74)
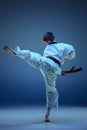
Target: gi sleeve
(70, 52)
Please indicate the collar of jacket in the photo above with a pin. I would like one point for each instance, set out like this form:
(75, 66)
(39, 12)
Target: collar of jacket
(52, 43)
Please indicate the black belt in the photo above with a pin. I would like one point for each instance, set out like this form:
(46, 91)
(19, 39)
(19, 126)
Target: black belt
(55, 60)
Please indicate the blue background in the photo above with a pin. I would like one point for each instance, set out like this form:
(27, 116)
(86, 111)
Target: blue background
(23, 23)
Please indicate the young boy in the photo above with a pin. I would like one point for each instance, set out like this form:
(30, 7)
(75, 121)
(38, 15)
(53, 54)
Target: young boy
(55, 54)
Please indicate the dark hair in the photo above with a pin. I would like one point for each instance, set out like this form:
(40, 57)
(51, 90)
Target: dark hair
(48, 36)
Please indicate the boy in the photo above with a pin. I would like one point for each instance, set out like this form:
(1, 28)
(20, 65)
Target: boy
(55, 54)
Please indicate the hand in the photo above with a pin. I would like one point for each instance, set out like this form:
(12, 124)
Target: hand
(9, 50)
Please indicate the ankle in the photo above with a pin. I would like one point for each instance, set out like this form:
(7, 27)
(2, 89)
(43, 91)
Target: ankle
(47, 118)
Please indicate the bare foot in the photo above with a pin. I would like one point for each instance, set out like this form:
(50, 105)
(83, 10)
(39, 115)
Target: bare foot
(47, 119)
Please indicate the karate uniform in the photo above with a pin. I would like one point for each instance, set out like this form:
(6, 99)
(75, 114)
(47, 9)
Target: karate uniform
(48, 67)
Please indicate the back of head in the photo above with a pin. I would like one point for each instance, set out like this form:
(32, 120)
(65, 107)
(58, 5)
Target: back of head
(48, 36)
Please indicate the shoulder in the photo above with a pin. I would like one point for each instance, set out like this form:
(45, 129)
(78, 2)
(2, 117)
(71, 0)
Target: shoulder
(66, 45)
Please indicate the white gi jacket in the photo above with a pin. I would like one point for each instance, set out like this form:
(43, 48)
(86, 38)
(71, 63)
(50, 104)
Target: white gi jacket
(60, 51)
(49, 68)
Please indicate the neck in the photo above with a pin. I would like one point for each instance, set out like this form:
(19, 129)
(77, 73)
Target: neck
(52, 43)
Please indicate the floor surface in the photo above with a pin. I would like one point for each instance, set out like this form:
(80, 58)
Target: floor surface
(32, 118)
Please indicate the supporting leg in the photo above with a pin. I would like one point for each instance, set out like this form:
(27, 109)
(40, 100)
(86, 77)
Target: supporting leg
(47, 115)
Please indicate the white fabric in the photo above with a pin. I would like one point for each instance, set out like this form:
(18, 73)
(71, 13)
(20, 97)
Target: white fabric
(48, 68)
(60, 51)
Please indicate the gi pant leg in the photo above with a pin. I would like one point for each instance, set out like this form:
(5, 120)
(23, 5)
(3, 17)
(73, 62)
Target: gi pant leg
(51, 91)
(49, 70)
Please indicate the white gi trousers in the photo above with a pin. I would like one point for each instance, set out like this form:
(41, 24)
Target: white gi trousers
(49, 70)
